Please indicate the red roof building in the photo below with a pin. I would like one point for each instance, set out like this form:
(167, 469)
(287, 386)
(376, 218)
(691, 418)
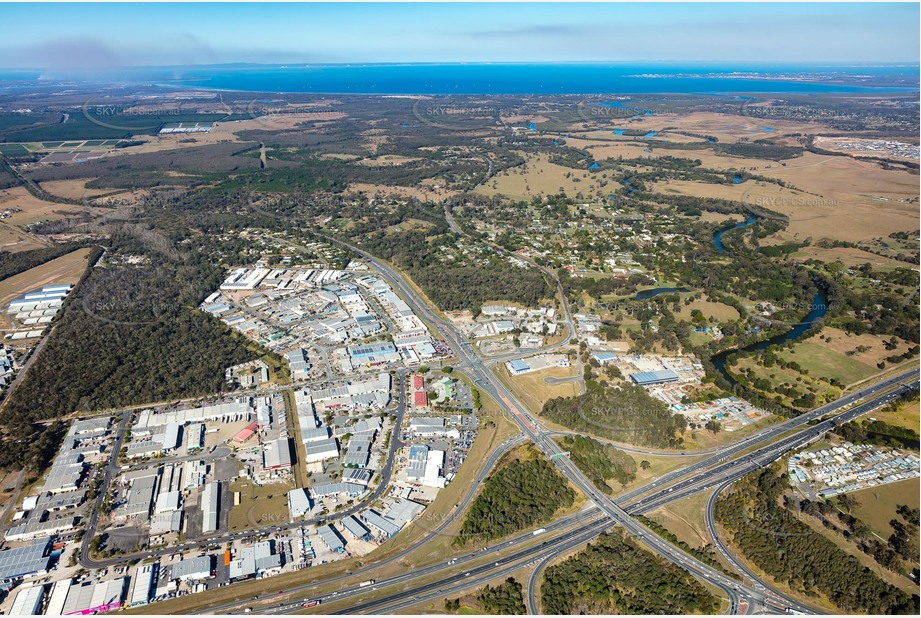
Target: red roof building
(418, 382)
(420, 399)
(245, 434)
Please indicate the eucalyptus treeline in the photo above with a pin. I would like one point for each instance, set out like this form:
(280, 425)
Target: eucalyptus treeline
(626, 413)
(789, 550)
(615, 575)
(522, 494)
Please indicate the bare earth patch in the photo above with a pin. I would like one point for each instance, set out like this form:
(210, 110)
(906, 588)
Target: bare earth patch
(419, 193)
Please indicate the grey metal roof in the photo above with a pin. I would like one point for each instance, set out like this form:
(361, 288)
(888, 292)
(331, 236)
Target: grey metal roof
(331, 538)
(191, 567)
(654, 377)
(355, 527)
(385, 526)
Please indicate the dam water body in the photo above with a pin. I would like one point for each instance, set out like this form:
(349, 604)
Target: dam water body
(647, 294)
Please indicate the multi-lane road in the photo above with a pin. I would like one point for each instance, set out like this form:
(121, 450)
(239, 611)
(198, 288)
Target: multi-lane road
(475, 368)
(723, 466)
(510, 556)
(759, 458)
(522, 550)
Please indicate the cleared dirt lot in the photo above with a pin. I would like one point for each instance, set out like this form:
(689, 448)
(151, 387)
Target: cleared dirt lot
(541, 177)
(388, 161)
(419, 193)
(72, 189)
(13, 239)
(33, 209)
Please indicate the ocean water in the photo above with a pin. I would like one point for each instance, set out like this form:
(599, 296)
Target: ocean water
(442, 79)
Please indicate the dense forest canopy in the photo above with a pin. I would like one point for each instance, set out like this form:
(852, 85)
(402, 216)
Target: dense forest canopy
(523, 494)
(614, 575)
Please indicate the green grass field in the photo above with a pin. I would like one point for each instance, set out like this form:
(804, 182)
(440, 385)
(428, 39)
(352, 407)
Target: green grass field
(906, 415)
(878, 504)
(718, 311)
(825, 363)
(778, 375)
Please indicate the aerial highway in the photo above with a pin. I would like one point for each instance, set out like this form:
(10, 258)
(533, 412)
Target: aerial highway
(488, 382)
(764, 434)
(758, 459)
(762, 595)
(717, 541)
(723, 465)
(464, 569)
(483, 377)
(592, 521)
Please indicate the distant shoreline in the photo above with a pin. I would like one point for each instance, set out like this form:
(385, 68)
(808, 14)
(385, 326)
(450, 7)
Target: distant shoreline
(505, 79)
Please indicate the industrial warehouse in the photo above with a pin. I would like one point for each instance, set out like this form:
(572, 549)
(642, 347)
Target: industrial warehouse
(31, 312)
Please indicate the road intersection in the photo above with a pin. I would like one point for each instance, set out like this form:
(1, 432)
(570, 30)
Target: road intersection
(718, 469)
(474, 367)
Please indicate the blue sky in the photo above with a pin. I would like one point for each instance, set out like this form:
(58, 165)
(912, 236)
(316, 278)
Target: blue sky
(98, 35)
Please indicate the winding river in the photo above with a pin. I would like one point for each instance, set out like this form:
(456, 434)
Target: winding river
(818, 309)
(718, 237)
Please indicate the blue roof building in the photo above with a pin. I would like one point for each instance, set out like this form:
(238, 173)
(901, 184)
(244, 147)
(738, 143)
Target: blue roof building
(651, 378)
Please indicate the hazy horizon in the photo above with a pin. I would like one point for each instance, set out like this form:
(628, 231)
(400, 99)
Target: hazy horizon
(164, 35)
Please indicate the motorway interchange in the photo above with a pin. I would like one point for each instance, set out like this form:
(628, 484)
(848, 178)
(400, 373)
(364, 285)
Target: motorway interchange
(500, 559)
(717, 471)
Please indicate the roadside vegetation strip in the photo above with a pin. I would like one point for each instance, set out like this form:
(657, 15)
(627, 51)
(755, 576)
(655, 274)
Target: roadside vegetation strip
(791, 552)
(503, 599)
(601, 463)
(705, 556)
(526, 492)
(616, 575)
